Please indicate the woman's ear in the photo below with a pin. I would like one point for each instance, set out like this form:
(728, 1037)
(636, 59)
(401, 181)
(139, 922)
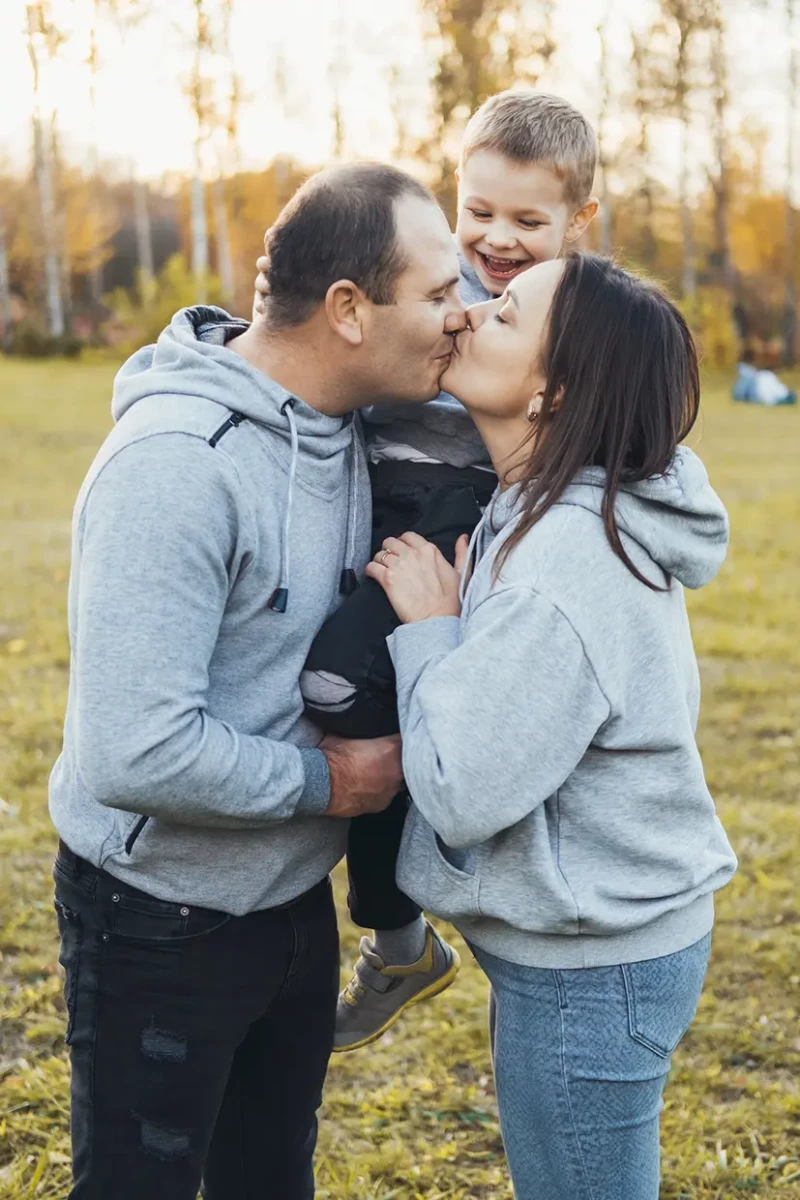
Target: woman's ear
(345, 310)
(537, 400)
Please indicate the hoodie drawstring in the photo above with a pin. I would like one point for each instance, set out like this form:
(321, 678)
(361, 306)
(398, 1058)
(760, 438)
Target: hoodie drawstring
(466, 574)
(279, 599)
(348, 580)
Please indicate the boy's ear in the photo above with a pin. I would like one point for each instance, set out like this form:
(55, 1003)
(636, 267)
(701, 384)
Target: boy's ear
(582, 219)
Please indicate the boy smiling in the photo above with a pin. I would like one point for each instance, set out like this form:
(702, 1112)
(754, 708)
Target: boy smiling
(525, 179)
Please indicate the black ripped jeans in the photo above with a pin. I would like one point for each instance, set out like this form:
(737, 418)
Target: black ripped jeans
(199, 1041)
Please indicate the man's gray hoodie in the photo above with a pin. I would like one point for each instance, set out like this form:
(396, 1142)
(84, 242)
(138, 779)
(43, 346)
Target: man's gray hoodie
(561, 817)
(212, 537)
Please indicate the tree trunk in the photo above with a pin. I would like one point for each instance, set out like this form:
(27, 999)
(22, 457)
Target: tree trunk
(689, 275)
(144, 238)
(607, 206)
(223, 239)
(96, 273)
(790, 293)
(721, 184)
(199, 237)
(5, 291)
(52, 271)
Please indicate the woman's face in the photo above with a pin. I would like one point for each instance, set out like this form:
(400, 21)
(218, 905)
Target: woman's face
(495, 370)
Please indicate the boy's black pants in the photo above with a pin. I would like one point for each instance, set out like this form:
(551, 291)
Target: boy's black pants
(198, 1041)
(440, 503)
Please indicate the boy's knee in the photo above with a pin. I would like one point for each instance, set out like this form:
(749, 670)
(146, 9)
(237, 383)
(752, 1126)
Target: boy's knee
(324, 692)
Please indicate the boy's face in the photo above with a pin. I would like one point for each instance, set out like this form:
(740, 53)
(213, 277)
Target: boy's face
(513, 215)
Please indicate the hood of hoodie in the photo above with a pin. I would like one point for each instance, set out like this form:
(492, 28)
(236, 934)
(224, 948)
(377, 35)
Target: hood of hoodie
(676, 517)
(190, 359)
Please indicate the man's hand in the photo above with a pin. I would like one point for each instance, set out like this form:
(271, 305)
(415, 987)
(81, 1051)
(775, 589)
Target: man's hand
(365, 775)
(417, 578)
(262, 286)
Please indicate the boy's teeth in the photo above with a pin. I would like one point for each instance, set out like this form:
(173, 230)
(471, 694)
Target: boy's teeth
(502, 265)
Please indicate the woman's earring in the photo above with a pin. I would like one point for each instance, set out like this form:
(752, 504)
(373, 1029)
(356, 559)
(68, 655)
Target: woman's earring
(534, 407)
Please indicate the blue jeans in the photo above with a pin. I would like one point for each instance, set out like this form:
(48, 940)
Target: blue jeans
(581, 1058)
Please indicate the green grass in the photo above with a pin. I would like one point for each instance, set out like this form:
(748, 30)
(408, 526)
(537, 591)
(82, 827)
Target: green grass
(415, 1117)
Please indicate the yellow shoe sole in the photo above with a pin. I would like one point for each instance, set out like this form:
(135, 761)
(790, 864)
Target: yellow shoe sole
(433, 989)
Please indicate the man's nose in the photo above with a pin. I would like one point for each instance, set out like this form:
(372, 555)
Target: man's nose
(456, 318)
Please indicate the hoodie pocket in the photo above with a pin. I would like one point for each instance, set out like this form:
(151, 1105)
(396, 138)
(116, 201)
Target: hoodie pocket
(134, 832)
(427, 875)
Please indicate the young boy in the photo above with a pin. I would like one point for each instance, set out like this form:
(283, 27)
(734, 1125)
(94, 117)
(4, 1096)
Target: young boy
(524, 190)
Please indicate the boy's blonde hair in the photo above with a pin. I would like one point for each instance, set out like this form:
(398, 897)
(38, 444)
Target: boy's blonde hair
(533, 127)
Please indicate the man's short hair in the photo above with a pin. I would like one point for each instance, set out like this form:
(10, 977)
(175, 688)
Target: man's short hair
(339, 225)
(534, 127)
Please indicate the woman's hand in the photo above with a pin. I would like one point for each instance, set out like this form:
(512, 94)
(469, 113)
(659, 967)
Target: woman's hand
(417, 578)
(262, 286)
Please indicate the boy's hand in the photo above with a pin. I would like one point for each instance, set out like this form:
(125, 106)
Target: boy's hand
(365, 775)
(262, 286)
(418, 579)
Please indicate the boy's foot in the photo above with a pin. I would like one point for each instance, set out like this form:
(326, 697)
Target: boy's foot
(378, 994)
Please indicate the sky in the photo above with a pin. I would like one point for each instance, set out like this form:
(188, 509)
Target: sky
(144, 121)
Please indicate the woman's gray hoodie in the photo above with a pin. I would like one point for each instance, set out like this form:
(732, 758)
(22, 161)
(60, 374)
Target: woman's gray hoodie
(211, 539)
(561, 817)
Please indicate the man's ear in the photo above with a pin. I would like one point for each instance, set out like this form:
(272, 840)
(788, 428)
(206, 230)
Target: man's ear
(345, 308)
(582, 219)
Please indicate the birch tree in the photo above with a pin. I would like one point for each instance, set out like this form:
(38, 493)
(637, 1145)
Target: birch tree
(604, 157)
(793, 108)
(44, 41)
(482, 47)
(5, 288)
(646, 87)
(720, 177)
(200, 92)
(687, 19)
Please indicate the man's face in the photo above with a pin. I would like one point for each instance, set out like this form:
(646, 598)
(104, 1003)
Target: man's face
(410, 341)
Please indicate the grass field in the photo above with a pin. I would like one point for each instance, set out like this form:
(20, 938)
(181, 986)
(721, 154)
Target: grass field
(415, 1118)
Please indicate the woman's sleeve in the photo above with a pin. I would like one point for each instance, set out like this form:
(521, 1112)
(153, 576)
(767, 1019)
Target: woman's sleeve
(495, 712)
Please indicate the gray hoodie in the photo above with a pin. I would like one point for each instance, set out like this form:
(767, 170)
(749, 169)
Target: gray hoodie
(561, 817)
(212, 537)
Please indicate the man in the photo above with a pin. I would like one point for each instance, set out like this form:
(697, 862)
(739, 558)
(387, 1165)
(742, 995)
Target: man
(217, 528)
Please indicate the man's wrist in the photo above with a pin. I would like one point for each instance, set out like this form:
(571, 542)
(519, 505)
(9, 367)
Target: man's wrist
(316, 794)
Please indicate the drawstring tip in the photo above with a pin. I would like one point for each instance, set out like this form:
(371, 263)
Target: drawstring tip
(279, 600)
(348, 582)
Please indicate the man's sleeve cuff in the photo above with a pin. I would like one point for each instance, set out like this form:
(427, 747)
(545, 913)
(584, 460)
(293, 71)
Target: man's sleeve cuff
(316, 794)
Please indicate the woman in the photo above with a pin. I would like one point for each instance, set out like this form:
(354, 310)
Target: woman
(561, 816)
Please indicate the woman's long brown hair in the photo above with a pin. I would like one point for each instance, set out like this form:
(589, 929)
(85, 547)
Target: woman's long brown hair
(623, 389)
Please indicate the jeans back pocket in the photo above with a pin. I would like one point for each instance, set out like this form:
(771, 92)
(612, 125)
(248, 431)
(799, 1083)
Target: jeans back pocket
(662, 996)
(71, 933)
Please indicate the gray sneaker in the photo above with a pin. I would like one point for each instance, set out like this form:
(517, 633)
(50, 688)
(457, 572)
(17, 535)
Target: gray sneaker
(377, 995)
